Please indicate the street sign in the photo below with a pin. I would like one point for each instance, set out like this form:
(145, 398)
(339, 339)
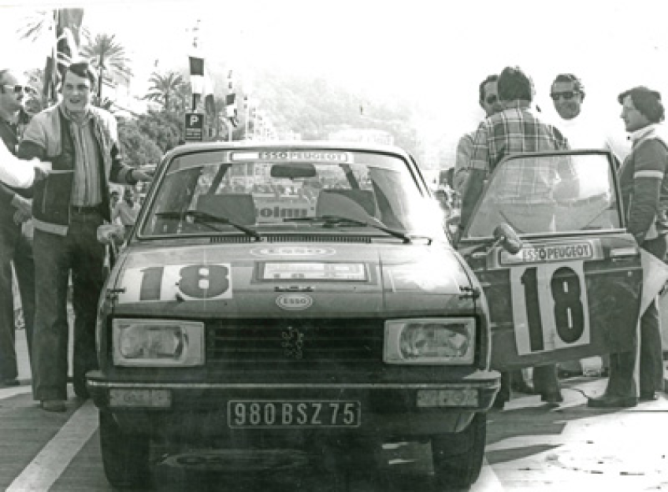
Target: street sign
(194, 127)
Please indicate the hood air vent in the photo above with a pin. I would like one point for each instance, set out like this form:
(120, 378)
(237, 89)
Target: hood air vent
(286, 238)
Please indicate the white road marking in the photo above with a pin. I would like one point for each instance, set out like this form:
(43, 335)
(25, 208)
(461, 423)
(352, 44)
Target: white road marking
(13, 391)
(53, 459)
(488, 481)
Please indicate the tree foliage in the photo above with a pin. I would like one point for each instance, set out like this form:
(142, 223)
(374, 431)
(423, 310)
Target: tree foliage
(170, 90)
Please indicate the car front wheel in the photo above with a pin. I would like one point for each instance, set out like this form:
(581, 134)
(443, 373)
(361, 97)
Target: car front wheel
(458, 457)
(125, 457)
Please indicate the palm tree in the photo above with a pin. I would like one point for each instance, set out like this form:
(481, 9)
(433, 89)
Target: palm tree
(164, 88)
(107, 56)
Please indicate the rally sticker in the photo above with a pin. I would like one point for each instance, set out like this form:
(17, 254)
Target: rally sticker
(550, 307)
(298, 251)
(294, 302)
(543, 254)
(314, 271)
(294, 156)
(177, 282)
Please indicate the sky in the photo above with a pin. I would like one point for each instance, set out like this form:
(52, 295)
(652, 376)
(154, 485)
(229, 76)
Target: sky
(434, 52)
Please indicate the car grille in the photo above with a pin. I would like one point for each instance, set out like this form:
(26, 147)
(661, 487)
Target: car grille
(294, 342)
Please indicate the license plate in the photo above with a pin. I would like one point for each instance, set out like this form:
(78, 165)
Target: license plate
(288, 414)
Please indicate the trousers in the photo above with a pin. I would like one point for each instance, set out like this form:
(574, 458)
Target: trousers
(80, 254)
(16, 249)
(641, 367)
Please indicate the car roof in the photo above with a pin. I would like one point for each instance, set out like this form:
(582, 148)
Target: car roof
(291, 144)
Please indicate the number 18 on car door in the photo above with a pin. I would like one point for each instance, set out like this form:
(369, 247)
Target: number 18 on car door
(550, 308)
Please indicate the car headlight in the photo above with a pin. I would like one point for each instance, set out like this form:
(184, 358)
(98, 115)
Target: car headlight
(158, 343)
(436, 341)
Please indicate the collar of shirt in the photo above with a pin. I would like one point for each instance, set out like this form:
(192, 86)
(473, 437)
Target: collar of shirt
(70, 117)
(642, 134)
(520, 104)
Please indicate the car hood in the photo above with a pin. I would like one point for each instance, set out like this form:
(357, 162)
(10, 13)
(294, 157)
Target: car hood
(291, 279)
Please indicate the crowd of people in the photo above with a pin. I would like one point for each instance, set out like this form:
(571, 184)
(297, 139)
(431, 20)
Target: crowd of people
(65, 199)
(514, 126)
(53, 206)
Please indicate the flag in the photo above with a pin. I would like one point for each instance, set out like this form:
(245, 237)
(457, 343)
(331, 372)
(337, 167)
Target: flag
(67, 24)
(196, 74)
(209, 102)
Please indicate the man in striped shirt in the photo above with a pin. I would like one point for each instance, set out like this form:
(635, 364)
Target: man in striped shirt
(643, 180)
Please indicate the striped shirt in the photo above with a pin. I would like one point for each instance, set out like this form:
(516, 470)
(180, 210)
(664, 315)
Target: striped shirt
(86, 190)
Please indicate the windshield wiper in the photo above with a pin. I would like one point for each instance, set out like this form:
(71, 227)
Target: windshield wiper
(339, 220)
(205, 218)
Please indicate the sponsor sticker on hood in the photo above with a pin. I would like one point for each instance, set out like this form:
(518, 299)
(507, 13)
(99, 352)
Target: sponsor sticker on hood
(176, 282)
(298, 251)
(314, 271)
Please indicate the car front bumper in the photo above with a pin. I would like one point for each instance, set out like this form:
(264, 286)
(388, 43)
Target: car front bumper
(195, 411)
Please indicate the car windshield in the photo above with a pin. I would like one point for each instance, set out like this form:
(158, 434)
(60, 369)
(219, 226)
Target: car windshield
(256, 192)
(549, 194)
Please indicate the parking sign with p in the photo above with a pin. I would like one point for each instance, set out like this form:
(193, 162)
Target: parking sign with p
(194, 127)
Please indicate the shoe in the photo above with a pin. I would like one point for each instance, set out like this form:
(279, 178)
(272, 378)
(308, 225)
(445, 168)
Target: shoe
(9, 382)
(552, 397)
(53, 405)
(498, 404)
(648, 396)
(612, 402)
(82, 393)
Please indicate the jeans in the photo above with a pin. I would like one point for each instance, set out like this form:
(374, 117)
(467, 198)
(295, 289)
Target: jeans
(55, 257)
(641, 367)
(14, 247)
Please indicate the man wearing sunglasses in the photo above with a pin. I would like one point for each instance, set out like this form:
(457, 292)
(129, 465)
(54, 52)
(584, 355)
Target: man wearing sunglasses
(15, 243)
(583, 132)
(489, 102)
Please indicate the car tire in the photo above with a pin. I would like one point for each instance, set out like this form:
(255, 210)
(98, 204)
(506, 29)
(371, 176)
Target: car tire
(458, 457)
(125, 457)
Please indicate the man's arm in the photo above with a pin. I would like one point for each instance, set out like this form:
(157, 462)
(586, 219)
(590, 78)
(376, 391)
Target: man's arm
(476, 174)
(16, 172)
(650, 158)
(462, 161)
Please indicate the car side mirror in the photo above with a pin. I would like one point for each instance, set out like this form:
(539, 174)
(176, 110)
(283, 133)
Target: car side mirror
(506, 236)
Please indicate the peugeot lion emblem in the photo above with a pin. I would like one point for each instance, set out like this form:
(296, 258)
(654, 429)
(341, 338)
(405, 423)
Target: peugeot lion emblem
(293, 342)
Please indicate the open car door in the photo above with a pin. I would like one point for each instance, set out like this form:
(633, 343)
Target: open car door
(548, 243)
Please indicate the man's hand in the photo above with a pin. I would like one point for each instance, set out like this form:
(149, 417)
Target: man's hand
(41, 174)
(141, 175)
(23, 209)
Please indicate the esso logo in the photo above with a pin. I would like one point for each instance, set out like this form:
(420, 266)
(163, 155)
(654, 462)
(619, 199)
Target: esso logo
(293, 251)
(294, 302)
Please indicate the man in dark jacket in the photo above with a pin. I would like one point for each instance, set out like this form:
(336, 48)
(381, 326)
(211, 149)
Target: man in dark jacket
(15, 246)
(81, 142)
(643, 180)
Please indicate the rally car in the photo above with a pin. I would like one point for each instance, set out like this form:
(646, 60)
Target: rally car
(276, 294)
(548, 243)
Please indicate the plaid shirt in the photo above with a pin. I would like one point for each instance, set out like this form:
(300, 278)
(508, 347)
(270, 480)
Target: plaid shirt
(515, 130)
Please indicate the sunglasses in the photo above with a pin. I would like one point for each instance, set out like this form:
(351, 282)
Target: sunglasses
(568, 95)
(491, 99)
(16, 89)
